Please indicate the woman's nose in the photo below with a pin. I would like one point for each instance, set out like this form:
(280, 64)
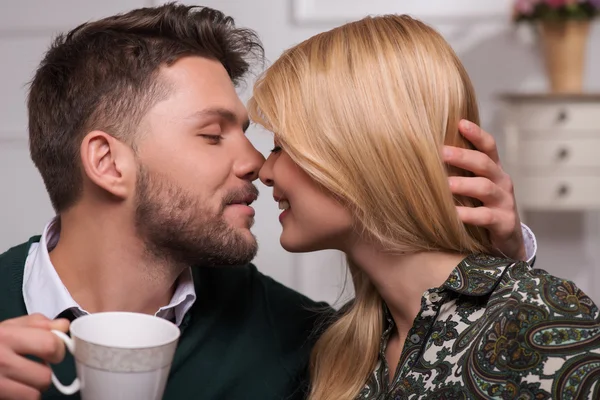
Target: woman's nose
(266, 172)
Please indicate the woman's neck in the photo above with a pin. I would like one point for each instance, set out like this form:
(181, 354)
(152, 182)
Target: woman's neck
(401, 279)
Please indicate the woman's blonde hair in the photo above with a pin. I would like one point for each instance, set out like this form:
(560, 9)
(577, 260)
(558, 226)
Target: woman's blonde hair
(365, 109)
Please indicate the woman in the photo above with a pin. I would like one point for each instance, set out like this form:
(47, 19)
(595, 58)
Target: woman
(360, 114)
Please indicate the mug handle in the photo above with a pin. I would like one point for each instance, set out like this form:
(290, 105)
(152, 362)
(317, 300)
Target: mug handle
(75, 386)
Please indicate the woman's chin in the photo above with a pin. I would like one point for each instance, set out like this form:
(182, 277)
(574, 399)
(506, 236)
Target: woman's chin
(294, 245)
(291, 246)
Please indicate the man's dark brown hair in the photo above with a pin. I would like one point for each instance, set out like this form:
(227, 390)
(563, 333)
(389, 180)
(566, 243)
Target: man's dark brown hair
(103, 75)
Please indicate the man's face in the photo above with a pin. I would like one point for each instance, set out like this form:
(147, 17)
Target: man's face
(195, 168)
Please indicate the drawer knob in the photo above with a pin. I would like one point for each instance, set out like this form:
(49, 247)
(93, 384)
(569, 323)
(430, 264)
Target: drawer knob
(563, 153)
(563, 190)
(562, 116)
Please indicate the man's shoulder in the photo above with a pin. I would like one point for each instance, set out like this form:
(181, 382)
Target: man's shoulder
(291, 313)
(282, 294)
(12, 266)
(278, 320)
(17, 254)
(249, 280)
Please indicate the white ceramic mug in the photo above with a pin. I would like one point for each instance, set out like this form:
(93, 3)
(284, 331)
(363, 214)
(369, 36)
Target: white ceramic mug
(120, 356)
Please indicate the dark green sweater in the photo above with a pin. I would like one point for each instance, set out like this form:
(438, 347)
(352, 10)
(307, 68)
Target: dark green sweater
(246, 337)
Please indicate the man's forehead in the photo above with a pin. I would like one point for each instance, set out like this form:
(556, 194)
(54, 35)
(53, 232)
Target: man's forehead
(200, 77)
(199, 85)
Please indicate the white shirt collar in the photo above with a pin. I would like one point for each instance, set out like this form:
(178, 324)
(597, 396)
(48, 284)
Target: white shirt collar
(44, 292)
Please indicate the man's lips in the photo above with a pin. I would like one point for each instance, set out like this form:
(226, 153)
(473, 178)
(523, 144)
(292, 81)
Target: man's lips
(242, 207)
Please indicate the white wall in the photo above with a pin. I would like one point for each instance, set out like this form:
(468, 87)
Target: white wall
(26, 27)
(495, 54)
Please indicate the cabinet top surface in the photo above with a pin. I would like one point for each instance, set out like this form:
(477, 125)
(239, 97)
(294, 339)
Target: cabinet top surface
(550, 97)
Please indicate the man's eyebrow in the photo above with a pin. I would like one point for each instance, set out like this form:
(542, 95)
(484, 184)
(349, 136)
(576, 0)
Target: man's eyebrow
(224, 113)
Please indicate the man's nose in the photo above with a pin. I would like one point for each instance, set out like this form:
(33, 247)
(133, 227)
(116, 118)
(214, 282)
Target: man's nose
(247, 167)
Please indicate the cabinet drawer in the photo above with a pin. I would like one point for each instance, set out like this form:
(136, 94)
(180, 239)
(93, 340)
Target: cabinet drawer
(557, 153)
(556, 192)
(568, 116)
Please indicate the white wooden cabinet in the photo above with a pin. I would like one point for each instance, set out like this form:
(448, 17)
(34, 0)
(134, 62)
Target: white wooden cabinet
(553, 150)
(552, 153)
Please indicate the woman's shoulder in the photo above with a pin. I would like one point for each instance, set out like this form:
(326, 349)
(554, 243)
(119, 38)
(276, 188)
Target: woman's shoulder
(545, 330)
(558, 298)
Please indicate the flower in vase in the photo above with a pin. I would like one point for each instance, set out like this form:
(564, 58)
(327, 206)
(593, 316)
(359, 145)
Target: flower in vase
(555, 10)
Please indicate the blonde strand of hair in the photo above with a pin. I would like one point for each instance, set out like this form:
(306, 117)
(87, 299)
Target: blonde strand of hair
(358, 332)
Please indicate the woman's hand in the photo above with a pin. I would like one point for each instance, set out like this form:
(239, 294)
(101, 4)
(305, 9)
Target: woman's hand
(491, 185)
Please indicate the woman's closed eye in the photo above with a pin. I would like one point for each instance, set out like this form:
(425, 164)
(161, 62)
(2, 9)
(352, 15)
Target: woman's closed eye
(212, 139)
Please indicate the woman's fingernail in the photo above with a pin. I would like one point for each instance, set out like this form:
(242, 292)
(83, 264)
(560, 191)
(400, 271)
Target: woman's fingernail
(467, 125)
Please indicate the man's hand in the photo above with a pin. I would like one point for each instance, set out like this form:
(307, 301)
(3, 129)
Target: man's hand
(21, 378)
(491, 185)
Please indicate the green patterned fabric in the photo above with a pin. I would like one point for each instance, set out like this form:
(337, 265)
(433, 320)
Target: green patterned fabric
(496, 329)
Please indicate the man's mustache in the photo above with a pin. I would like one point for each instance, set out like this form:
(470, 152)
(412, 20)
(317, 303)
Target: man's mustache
(246, 194)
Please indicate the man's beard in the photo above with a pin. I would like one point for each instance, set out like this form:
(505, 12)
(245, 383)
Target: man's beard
(177, 228)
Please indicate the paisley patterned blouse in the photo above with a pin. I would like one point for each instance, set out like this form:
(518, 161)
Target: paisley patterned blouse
(496, 330)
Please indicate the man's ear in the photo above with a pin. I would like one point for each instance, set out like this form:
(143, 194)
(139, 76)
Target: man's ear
(108, 163)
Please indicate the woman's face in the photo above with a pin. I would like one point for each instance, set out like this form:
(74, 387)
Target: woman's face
(312, 219)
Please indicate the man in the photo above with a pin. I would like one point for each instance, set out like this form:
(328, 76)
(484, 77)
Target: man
(138, 133)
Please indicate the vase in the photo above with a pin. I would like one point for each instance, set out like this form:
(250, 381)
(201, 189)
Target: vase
(564, 46)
